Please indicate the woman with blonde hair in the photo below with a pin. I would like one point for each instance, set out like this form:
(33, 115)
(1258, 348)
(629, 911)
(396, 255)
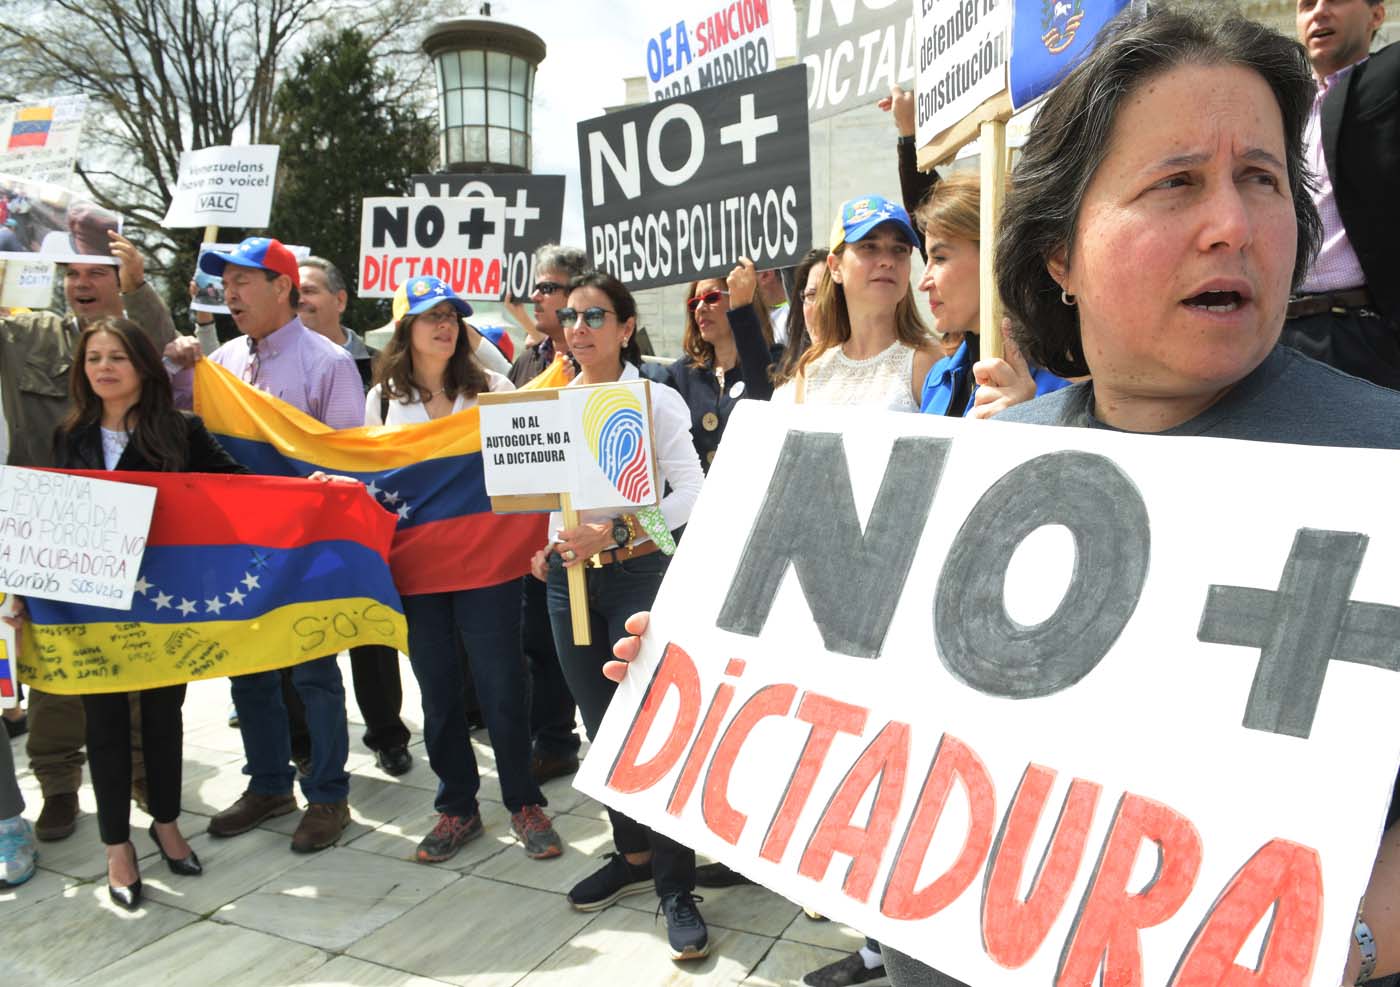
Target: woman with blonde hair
(872, 348)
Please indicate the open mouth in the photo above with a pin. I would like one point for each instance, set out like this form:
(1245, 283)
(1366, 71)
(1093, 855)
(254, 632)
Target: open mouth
(1322, 32)
(1216, 301)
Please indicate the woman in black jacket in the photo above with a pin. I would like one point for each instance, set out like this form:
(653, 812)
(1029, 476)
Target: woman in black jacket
(727, 354)
(124, 418)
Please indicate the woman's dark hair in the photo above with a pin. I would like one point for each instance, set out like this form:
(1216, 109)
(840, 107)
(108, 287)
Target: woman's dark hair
(393, 369)
(798, 336)
(622, 302)
(1071, 137)
(157, 429)
(701, 353)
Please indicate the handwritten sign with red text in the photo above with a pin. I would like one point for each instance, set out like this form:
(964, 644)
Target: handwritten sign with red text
(1028, 703)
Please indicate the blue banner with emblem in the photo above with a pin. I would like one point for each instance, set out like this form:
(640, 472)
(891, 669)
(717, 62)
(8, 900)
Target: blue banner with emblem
(1048, 38)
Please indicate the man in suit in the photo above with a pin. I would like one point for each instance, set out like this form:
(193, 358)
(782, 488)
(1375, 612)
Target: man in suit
(1347, 311)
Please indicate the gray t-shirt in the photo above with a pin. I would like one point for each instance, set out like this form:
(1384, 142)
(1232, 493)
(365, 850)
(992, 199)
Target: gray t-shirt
(1287, 398)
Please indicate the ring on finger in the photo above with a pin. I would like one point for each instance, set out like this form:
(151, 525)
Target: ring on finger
(569, 555)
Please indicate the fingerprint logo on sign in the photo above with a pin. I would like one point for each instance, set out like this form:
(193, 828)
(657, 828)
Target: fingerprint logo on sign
(612, 423)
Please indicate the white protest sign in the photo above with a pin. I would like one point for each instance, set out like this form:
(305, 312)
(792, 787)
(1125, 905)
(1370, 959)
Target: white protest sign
(71, 538)
(854, 50)
(708, 43)
(224, 186)
(525, 447)
(41, 139)
(1025, 701)
(962, 60)
(459, 240)
(591, 442)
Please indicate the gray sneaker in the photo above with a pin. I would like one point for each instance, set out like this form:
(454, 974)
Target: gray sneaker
(535, 832)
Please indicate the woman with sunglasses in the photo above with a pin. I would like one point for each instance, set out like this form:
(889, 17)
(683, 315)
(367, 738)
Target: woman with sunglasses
(426, 371)
(872, 349)
(600, 324)
(727, 355)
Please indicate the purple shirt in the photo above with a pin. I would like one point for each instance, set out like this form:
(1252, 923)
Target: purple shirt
(299, 366)
(1335, 268)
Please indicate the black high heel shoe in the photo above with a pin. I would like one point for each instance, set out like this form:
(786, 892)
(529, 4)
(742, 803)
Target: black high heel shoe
(185, 867)
(128, 897)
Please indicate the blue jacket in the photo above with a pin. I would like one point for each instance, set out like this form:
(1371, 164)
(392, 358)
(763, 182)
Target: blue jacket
(944, 377)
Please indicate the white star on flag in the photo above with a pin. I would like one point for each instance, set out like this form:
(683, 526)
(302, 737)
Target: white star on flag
(391, 497)
(187, 607)
(142, 585)
(235, 597)
(403, 512)
(213, 606)
(162, 600)
(372, 489)
(250, 580)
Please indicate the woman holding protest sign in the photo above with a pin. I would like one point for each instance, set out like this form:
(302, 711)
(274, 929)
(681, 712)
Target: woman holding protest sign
(1171, 159)
(124, 418)
(627, 557)
(426, 371)
(727, 355)
(872, 348)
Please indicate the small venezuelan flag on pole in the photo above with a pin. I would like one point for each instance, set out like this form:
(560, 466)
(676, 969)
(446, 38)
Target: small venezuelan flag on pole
(31, 127)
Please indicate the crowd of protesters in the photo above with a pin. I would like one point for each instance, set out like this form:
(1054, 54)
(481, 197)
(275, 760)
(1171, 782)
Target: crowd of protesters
(1188, 157)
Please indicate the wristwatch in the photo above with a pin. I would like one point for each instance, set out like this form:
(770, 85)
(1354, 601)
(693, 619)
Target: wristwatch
(621, 531)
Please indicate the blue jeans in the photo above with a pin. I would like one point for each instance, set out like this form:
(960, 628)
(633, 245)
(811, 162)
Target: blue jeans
(615, 592)
(267, 741)
(488, 622)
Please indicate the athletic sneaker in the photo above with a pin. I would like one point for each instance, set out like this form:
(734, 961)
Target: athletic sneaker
(535, 832)
(449, 835)
(685, 929)
(615, 879)
(17, 851)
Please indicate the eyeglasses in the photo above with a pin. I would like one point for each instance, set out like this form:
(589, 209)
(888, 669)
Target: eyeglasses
(438, 316)
(546, 288)
(592, 317)
(810, 295)
(708, 298)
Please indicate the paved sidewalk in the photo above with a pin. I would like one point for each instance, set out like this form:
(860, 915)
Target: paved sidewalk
(363, 913)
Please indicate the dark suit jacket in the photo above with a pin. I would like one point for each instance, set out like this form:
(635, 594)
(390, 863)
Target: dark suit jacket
(1361, 142)
(81, 449)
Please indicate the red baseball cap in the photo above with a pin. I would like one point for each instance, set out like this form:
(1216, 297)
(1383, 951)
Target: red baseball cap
(261, 252)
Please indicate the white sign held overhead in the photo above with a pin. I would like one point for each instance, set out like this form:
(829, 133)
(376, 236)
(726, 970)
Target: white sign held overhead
(460, 240)
(709, 43)
(1023, 702)
(224, 186)
(962, 60)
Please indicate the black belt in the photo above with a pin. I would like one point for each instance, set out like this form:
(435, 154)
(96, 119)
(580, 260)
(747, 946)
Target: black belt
(1328, 301)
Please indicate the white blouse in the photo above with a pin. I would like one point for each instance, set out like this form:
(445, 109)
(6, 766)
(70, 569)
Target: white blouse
(405, 411)
(676, 459)
(884, 380)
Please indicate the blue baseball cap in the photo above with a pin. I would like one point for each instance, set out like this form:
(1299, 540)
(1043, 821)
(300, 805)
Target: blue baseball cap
(859, 216)
(425, 292)
(260, 252)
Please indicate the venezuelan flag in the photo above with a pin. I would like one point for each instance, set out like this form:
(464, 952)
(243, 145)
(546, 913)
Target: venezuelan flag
(429, 474)
(240, 574)
(31, 127)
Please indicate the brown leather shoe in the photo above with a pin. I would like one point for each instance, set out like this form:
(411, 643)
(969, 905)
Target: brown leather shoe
(58, 818)
(250, 809)
(321, 826)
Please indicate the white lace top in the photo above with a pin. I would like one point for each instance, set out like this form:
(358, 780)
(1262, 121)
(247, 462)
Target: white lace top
(883, 380)
(113, 445)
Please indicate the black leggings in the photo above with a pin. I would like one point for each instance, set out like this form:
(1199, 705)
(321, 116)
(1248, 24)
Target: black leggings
(109, 756)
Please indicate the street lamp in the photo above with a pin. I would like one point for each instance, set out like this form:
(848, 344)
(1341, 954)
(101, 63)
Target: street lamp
(486, 81)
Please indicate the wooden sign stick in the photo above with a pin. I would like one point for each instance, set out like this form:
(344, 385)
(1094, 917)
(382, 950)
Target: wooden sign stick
(578, 584)
(993, 162)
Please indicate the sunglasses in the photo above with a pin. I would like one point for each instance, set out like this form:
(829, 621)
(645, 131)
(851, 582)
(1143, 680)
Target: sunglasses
(708, 298)
(546, 288)
(593, 317)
